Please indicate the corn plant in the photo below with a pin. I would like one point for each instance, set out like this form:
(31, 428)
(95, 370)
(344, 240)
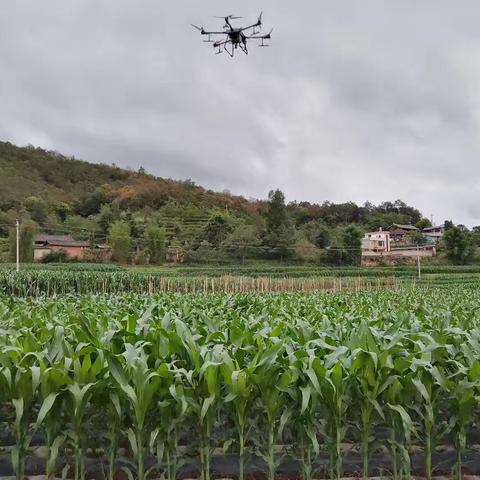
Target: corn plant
(273, 379)
(336, 391)
(21, 381)
(139, 384)
(86, 377)
(241, 395)
(53, 387)
(400, 424)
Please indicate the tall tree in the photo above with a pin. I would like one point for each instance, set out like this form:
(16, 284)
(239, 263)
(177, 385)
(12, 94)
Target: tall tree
(120, 238)
(277, 215)
(154, 242)
(280, 235)
(458, 245)
(352, 244)
(217, 229)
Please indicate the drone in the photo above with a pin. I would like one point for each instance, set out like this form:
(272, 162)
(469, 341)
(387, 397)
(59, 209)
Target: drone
(235, 37)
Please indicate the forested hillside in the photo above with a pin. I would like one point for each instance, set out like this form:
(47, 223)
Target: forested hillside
(57, 194)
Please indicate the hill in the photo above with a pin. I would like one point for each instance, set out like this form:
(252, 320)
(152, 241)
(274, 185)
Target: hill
(66, 195)
(30, 171)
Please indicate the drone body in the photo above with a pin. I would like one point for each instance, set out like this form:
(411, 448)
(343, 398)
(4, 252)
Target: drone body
(235, 37)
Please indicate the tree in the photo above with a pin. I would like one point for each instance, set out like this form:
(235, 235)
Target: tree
(476, 236)
(280, 237)
(121, 241)
(352, 244)
(90, 204)
(154, 242)
(423, 223)
(243, 242)
(416, 238)
(81, 228)
(448, 224)
(105, 217)
(317, 233)
(28, 230)
(37, 208)
(62, 210)
(458, 245)
(217, 229)
(277, 216)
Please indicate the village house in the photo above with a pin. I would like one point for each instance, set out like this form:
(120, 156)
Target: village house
(399, 233)
(45, 244)
(377, 248)
(434, 234)
(376, 241)
(83, 250)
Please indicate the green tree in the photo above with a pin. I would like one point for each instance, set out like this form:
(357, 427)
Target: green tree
(352, 244)
(243, 242)
(37, 208)
(316, 233)
(28, 230)
(416, 238)
(448, 224)
(277, 215)
(458, 245)
(120, 239)
(423, 223)
(476, 236)
(81, 228)
(154, 242)
(280, 236)
(62, 210)
(105, 217)
(217, 229)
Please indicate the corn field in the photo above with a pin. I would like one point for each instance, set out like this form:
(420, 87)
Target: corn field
(376, 383)
(50, 282)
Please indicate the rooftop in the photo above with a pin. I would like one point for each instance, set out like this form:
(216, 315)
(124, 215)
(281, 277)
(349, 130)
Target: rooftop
(403, 227)
(60, 241)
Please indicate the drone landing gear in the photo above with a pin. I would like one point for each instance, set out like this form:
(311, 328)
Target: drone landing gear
(230, 52)
(244, 49)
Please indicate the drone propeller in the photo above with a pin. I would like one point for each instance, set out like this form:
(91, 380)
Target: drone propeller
(200, 29)
(269, 34)
(230, 17)
(259, 22)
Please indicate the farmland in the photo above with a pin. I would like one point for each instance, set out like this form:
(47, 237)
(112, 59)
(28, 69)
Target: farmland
(55, 279)
(316, 384)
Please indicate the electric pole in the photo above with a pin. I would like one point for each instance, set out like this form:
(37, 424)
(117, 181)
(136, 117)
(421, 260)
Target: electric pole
(17, 227)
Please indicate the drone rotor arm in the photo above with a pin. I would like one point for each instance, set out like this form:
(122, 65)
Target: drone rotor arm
(213, 33)
(262, 37)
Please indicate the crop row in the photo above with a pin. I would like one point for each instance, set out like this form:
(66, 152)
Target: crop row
(259, 270)
(38, 282)
(392, 370)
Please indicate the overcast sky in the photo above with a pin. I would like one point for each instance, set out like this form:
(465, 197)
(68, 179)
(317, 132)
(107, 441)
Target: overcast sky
(354, 100)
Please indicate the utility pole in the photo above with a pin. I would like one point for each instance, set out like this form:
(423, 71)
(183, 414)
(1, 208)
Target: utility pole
(17, 227)
(418, 263)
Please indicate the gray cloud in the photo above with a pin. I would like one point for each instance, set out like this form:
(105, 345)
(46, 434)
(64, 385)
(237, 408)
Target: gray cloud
(353, 101)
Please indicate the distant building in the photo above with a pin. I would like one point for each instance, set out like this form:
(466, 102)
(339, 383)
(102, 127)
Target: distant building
(376, 241)
(378, 248)
(83, 250)
(45, 244)
(434, 234)
(399, 233)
